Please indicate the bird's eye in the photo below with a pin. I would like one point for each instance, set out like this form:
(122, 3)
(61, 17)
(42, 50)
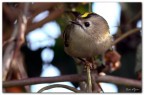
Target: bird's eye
(87, 24)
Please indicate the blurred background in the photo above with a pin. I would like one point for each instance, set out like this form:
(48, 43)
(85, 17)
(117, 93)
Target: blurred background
(43, 53)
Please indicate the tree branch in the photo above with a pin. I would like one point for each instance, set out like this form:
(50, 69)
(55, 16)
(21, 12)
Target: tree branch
(89, 82)
(42, 6)
(37, 8)
(19, 35)
(95, 85)
(135, 18)
(72, 78)
(52, 16)
(34, 10)
(126, 35)
(58, 85)
(10, 12)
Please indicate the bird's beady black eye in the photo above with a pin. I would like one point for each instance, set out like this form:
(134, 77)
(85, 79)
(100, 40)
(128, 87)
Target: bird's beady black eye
(87, 24)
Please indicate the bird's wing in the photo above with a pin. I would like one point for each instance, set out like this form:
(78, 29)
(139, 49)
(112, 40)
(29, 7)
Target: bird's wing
(66, 35)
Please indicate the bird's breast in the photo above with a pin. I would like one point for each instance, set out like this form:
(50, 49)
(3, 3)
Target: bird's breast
(83, 45)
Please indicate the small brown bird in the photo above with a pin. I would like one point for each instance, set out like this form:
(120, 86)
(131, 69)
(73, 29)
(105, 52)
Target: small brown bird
(87, 36)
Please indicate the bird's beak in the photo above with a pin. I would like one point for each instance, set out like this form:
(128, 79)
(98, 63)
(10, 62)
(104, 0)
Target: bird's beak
(75, 22)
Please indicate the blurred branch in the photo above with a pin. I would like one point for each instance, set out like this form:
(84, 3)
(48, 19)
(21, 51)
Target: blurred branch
(8, 41)
(11, 13)
(37, 8)
(24, 21)
(137, 16)
(128, 33)
(59, 85)
(52, 16)
(34, 9)
(73, 78)
(13, 47)
(19, 36)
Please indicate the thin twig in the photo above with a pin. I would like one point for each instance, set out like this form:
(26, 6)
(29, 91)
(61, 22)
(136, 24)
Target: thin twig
(89, 83)
(72, 78)
(128, 33)
(95, 85)
(59, 85)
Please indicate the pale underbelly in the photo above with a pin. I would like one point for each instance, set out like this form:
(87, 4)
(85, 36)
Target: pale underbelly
(86, 50)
